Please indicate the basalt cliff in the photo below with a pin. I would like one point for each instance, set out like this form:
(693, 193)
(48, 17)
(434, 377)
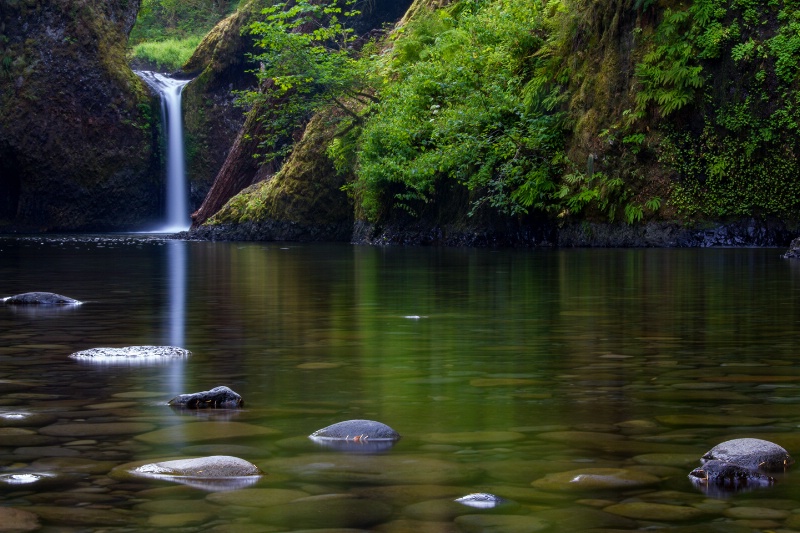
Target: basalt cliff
(78, 130)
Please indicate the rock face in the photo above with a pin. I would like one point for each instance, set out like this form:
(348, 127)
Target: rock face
(218, 397)
(211, 118)
(77, 146)
(302, 202)
(40, 298)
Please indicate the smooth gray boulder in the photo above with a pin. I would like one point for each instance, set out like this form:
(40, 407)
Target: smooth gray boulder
(754, 454)
(216, 472)
(40, 298)
(132, 354)
(739, 464)
(357, 431)
(363, 436)
(217, 398)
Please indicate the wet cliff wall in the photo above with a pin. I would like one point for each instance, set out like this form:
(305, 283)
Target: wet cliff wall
(77, 139)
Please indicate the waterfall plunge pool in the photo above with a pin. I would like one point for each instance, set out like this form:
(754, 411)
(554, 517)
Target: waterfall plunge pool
(505, 371)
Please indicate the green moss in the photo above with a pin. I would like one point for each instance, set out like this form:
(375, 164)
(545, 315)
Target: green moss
(307, 190)
(170, 54)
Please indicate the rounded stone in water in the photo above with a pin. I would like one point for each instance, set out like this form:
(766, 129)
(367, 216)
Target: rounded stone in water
(218, 397)
(214, 466)
(217, 472)
(40, 298)
(358, 436)
(132, 354)
(481, 500)
(357, 431)
(755, 454)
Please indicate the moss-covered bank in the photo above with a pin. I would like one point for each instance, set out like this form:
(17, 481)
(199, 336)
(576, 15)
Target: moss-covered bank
(77, 146)
(578, 122)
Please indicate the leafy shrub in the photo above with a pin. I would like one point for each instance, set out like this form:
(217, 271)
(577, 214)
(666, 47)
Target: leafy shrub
(460, 106)
(169, 54)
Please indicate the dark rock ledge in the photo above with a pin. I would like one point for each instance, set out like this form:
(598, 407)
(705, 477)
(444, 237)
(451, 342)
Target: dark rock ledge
(743, 233)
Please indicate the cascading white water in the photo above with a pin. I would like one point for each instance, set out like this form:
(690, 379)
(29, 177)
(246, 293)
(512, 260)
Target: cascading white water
(177, 212)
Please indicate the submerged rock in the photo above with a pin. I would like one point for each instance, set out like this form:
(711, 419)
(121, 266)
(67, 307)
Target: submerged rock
(481, 500)
(40, 298)
(356, 436)
(132, 354)
(18, 520)
(754, 454)
(219, 397)
(730, 475)
(590, 479)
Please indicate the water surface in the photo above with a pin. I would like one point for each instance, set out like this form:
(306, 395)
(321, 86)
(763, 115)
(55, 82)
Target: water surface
(510, 372)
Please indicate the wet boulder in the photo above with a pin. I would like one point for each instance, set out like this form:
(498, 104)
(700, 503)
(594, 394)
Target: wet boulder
(739, 464)
(753, 454)
(357, 430)
(356, 436)
(217, 398)
(216, 472)
(728, 474)
(40, 298)
(482, 500)
(132, 355)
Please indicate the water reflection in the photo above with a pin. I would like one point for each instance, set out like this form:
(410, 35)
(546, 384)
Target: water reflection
(176, 306)
(521, 365)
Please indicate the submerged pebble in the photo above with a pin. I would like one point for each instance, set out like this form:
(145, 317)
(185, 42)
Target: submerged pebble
(594, 479)
(17, 520)
(655, 511)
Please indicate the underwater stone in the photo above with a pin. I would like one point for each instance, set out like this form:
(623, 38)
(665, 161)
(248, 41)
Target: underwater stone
(595, 479)
(40, 298)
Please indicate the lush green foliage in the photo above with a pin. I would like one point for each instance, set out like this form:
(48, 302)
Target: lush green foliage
(461, 103)
(306, 62)
(743, 159)
(169, 54)
(159, 20)
(167, 31)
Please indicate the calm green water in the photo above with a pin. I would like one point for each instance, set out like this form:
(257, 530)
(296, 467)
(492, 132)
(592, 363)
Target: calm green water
(509, 372)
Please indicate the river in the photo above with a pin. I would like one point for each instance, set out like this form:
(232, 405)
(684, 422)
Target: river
(511, 372)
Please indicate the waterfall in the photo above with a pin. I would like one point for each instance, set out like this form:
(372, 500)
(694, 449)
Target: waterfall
(177, 212)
